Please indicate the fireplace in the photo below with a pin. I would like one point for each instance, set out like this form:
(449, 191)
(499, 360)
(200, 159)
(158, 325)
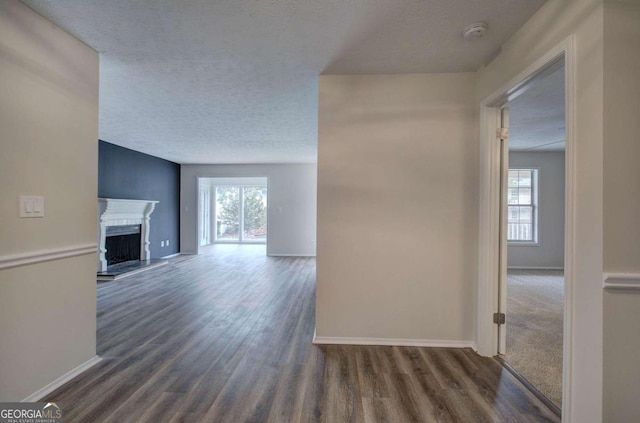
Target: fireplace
(123, 230)
(122, 243)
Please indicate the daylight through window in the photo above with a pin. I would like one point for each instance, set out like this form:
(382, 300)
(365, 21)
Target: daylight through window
(241, 213)
(522, 199)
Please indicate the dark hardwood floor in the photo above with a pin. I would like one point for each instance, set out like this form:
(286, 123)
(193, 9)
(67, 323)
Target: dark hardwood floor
(226, 337)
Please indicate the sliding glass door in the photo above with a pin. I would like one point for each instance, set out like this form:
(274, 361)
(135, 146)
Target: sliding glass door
(227, 214)
(241, 213)
(254, 214)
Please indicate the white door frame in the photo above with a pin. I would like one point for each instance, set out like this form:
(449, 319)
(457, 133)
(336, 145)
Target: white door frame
(204, 218)
(489, 240)
(503, 116)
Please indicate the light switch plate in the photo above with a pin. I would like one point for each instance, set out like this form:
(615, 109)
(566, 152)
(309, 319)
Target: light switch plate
(31, 206)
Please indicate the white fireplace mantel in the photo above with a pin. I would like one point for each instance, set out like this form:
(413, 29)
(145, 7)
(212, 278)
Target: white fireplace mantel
(118, 212)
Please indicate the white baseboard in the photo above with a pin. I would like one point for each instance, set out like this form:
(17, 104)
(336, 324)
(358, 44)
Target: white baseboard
(621, 280)
(41, 393)
(536, 267)
(170, 256)
(290, 255)
(396, 342)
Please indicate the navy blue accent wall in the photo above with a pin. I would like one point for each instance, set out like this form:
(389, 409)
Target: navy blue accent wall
(125, 173)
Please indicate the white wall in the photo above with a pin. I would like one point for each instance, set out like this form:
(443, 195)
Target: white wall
(397, 208)
(622, 133)
(621, 208)
(291, 206)
(549, 251)
(49, 147)
(554, 21)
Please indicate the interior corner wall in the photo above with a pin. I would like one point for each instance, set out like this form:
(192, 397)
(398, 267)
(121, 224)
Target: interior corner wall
(129, 174)
(291, 204)
(397, 209)
(549, 26)
(621, 209)
(548, 253)
(49, 147)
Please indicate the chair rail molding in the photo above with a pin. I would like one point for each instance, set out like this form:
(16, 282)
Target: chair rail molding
(33, 257)
(621, 280)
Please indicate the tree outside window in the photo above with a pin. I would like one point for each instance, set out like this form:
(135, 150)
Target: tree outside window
(227, 212)
(241, 213)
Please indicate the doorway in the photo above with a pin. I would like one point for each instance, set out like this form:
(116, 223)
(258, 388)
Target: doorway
(232, 210)
(493, 258)
(532, 234)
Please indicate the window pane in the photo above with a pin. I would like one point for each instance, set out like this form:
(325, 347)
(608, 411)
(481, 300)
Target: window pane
(228, 213)
(524, 196)
(519, 232)
(513, 178)
(514, 214)
(520, 223)
(524, 178)
(255, 213)
(512, 231)
(525, 215)
(513, 195)
(520, 197)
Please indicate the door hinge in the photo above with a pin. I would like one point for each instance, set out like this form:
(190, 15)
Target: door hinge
(499, 318)
(502, 133)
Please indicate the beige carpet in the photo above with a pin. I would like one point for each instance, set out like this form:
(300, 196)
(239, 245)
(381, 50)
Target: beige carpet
(535, 301)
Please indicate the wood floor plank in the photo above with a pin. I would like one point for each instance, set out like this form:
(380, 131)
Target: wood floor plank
(378, 410)
(373, 383)
(409, 404)
(342, 397)
(226, 336)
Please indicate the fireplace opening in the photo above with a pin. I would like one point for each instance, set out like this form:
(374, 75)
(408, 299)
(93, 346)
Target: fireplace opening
(122, 243)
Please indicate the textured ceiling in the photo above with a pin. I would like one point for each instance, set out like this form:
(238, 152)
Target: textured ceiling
(536, 118)
(235, 81)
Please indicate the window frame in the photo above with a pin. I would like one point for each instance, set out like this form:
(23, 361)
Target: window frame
(535, 205)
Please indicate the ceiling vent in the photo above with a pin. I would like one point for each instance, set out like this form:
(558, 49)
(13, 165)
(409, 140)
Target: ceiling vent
(475, 30)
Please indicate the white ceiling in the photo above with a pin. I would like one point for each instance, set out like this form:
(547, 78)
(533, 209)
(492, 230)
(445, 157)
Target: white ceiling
(235, 81)
(537, 117)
